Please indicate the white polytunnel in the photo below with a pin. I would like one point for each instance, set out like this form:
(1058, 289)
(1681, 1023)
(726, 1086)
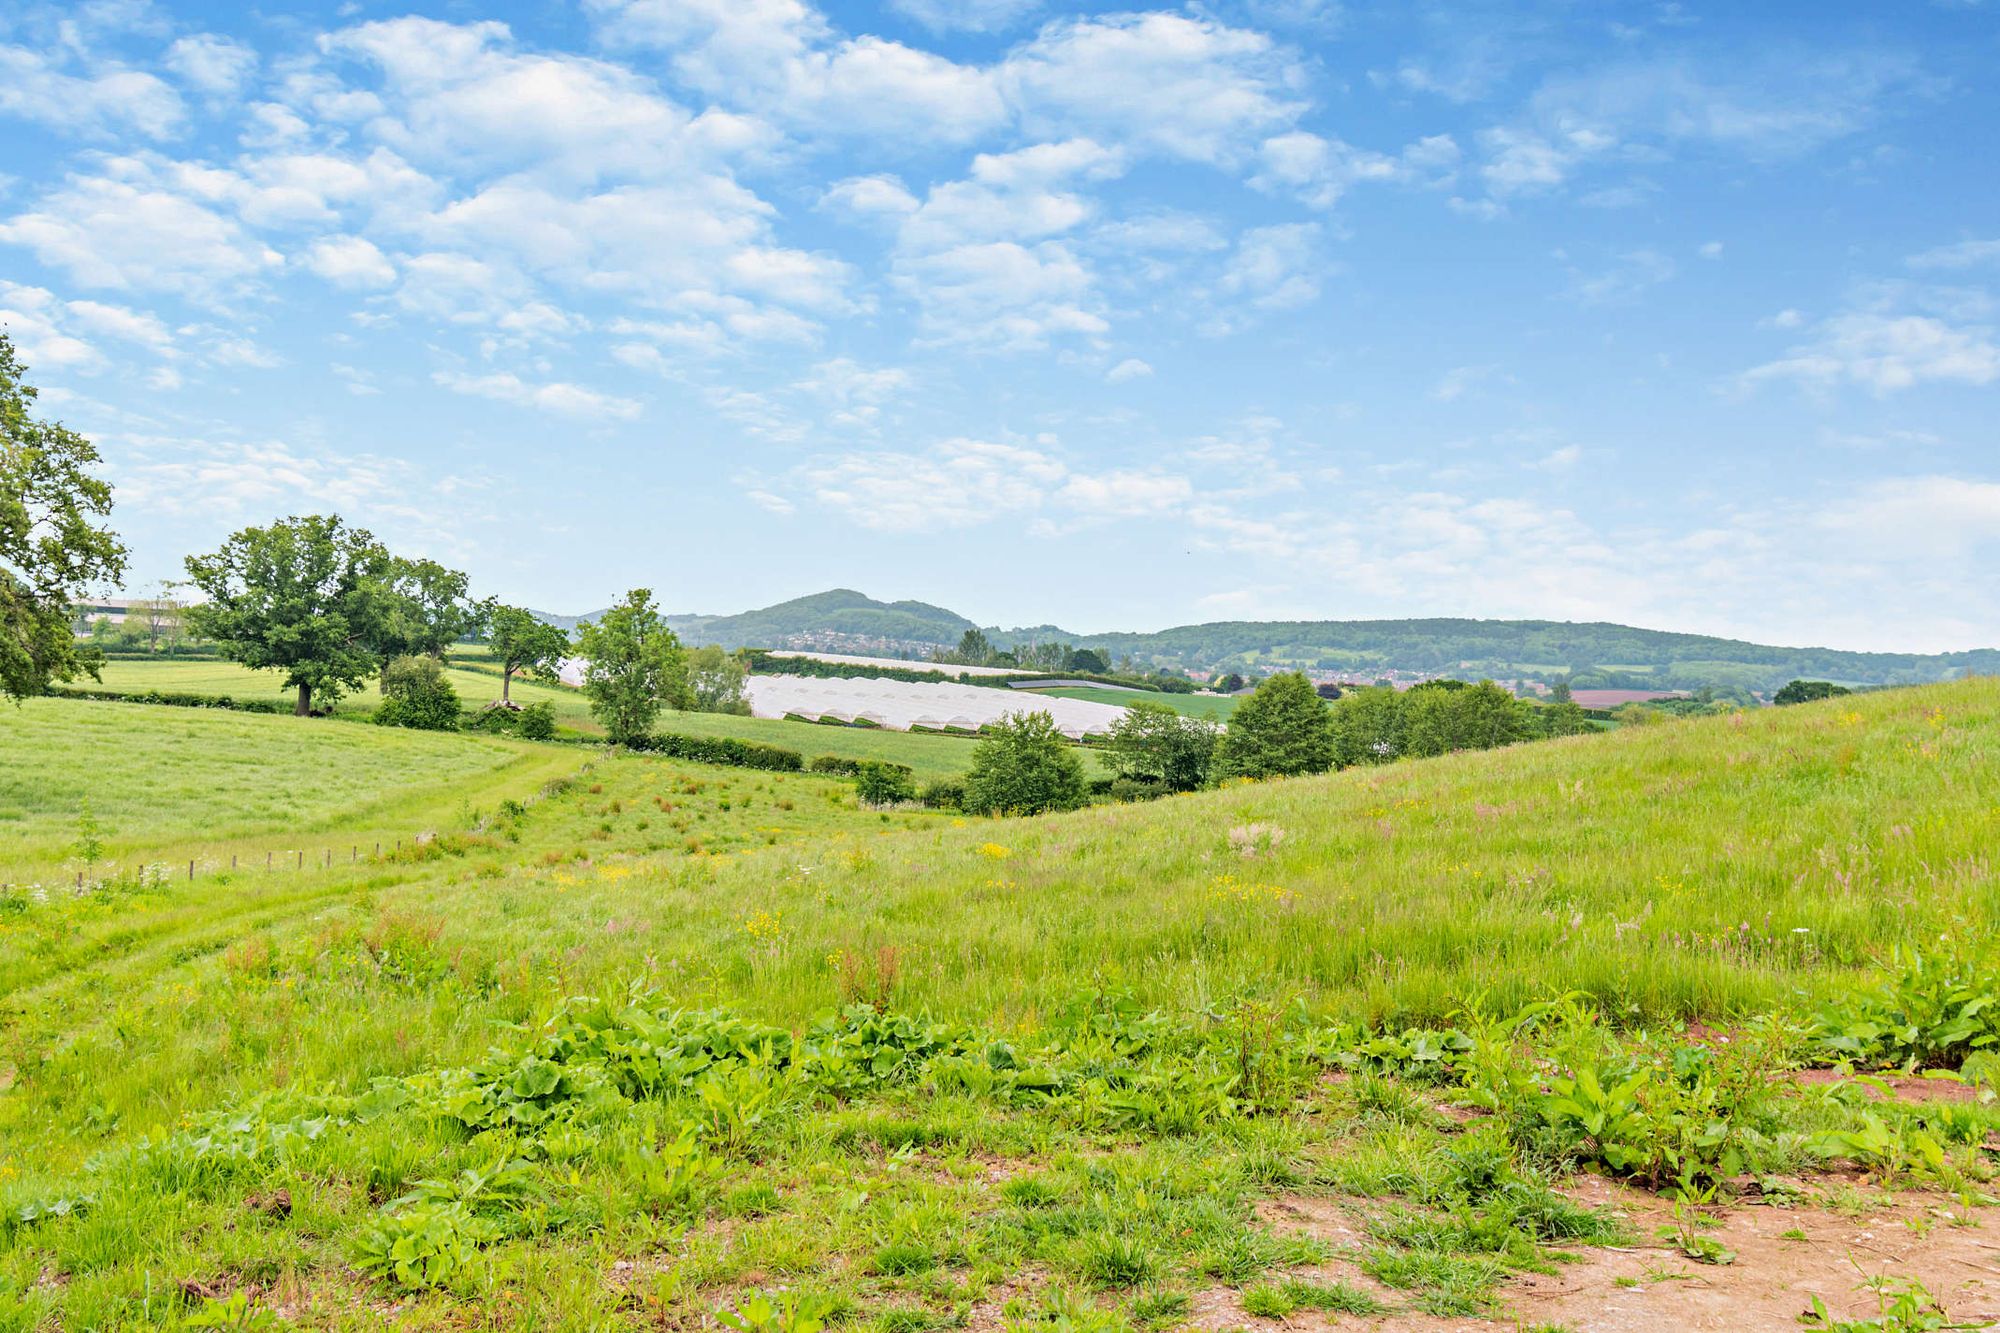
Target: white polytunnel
(899, 704)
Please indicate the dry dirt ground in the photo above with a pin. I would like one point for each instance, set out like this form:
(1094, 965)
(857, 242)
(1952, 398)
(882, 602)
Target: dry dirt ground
(1650, 1287)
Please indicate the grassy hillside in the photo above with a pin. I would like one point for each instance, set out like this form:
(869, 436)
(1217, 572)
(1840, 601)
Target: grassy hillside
(181, 780)
(1067, 1163)
(839, 611)
(929, 756)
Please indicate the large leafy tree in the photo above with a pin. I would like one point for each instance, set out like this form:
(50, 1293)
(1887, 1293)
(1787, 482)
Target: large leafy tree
(1281, 730)
(425, 610)
(305, 596)
(1154, 743)
(522, 642)
(633, 666)
(53, 548)
(1023, 767)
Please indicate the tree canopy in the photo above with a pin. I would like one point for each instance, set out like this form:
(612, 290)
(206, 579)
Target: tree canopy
(1281, 730)
(53, 546)
(306, 596)
(1023, 767)
(1155, 744)
(633, 666)
(521, 642)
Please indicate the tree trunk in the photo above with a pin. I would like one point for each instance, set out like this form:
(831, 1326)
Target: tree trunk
(305, 705)
(506, 680)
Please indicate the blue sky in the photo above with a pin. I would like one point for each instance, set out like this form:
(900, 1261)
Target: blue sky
(1679, 315)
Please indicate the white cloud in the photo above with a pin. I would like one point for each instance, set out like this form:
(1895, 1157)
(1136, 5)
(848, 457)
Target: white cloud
(32, 318)
(1886, 352)
(962, 483)
(1456, 382)
(1630, 277)
(1131, 368)
(1181, 85)
(966, 15)
(554, 396)
(350, 261)
(1778, 108)
(781, 59)
(99, 102)
(106, 232)
(1275, 268)
(1319, 170)
(212, 64)
(1964, 254)
(1711, 250)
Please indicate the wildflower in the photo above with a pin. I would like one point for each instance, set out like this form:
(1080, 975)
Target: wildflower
(763, 926)
(994, 851)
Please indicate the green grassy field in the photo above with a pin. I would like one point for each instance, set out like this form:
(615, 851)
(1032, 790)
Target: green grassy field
(928, 756)
(1143, 1064)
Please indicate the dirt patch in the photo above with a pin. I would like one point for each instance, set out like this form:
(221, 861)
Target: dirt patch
(1784, 1258)
(1905, 1087)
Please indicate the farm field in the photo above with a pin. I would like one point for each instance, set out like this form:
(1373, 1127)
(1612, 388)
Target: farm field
(1129, 1068)
(1214, 707)
(928, 756)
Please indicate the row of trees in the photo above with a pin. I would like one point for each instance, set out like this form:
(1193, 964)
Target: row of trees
(329, 605)
(1286, 728)
(975, 649)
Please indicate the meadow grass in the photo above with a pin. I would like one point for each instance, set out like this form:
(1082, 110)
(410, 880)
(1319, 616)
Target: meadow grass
(929, 756)
(159, 781)
(1712, 869)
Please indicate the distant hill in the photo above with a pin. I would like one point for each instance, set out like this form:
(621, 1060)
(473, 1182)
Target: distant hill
(1596, 653)
(841, 616)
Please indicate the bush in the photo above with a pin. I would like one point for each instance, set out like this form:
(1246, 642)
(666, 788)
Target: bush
(174, 699)
(837, 765)
(416, 694)
(1158, 747)
(1137, 789)
(1805, 691)
(944, 794)
(721, 750)
(1023, 767)
(885, 784)
(538, 721)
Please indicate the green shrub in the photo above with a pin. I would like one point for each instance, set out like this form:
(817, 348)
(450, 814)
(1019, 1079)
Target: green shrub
(720, 750)
(538, 721)
(1023, 767)
(1282, 730)
(416, 694)
(1931, 1012)
(880, 783)
(944, 794)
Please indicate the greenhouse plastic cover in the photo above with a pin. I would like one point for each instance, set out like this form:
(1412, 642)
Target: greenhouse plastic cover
(899, 705)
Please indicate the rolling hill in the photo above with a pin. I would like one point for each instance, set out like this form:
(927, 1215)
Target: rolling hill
(1594, 653)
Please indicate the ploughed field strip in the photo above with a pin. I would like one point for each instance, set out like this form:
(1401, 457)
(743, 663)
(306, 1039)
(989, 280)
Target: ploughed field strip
(1503, 1039)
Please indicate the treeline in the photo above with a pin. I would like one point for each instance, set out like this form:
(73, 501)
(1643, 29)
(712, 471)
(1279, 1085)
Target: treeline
(765, 662)
(1596, 653)
(1284, 729)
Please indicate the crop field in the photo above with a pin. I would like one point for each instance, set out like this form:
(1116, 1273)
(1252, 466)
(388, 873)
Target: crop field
(1214, 707)
(614, 1042)
(928, 756)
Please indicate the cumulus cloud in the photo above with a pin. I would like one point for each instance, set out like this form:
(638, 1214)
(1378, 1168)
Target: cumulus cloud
(350, 261)
(128, 230)
(1131, 368)
(212, 64)
(966, 15)
(1886, 352)
(962, 483)
(98, 102)
(555, 396)
(1181, 85)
